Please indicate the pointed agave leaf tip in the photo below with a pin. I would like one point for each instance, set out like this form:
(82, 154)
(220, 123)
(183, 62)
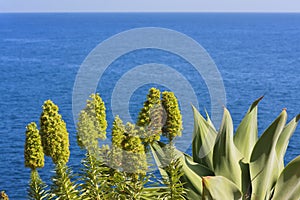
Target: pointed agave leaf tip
(284, 110)
(226, 111)
(298, 118)
(264, 158)
(255, 103)
(225, 155)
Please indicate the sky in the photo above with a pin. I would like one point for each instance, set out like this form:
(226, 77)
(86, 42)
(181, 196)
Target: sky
(149, 5)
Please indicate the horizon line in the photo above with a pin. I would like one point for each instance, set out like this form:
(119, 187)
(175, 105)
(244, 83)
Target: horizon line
(183, 12)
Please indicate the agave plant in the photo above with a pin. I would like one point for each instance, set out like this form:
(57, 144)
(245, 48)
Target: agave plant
(241, 165)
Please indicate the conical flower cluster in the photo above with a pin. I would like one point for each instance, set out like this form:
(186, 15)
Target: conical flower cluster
(118, 131)
(173, 124)
(153, 98)
(33, 152)
(134, 157)
(150, 119)
(128, 152)
(92, 124)
(55, 137)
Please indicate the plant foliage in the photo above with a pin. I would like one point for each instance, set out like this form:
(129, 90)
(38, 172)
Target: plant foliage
(241, 165)
(223, 165)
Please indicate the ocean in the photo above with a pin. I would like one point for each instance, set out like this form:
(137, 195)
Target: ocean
(40, 55)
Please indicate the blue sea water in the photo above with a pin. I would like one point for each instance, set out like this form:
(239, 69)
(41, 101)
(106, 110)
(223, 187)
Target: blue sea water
(40, 55)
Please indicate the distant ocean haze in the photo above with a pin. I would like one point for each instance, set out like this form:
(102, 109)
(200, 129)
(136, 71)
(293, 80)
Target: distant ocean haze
(40, 55)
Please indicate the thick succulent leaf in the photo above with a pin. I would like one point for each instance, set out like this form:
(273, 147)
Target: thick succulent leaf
(219, 187)
(192, 175)
(246, 134)
(158, 154)
(288, 183)
(192, 170)
(264, 167)
(209, 121)
(226, 156)
(283, 140)
(204, 137)
(246, 179)
(199, 169)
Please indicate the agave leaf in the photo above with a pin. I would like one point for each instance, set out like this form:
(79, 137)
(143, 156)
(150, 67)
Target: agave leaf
(283, 140)
(192, 171)
(204, 137)
(219, 187)
(199, 169)
(246, 133)
(159, 155)
(209, 121)
(246, 179)
(264, 167)
(226, 156)
(192, 175)
(288, 183)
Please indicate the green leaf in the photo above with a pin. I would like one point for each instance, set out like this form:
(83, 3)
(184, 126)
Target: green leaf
(192, 175)
(209, 121)
(204, 137)
(264, 167)
(159, 155)
(226, 156)
(283, 140)
(246, 179)
(192, 170)
(37, 188)
(246, 134)
(219, 187)
(150, 193)
(288, 183)
(199, 169)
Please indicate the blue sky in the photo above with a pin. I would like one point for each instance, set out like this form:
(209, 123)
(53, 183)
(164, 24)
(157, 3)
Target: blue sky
(149, 5)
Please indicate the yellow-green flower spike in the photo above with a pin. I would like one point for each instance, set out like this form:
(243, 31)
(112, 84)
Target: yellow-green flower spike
(54, 134)
(96, 108)
(173, 124)
(150, 119)
(33, 152)
(153, 98)
(134, 158)
(92, 124)
(128, 151)
(118, 131)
